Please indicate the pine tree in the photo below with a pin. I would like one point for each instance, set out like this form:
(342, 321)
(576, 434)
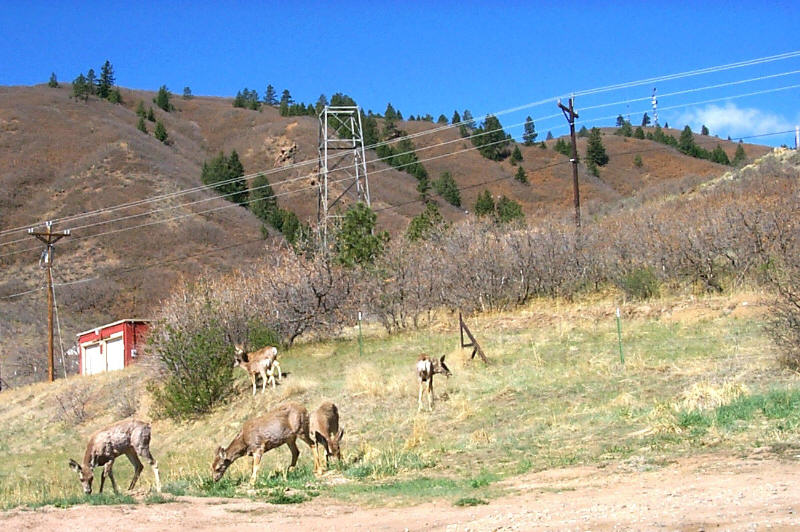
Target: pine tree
(516, 155)
(447, 188)
(390, 113)
(140, 112)
(719, 156)
(187, 93)
(484, 204)
(583, 132)
(270, 98)
(442, 119)
(637, 161)
(529, 134)
(639, 133)
(141, 125)
(704, 130)
(106, 81)
(160, 132)
(115, 96)
(468, 119)
(625, 130)
(508, 210)
(645, 120)
(549, 135)
(322, 101)
(53, 81)
(91, 81)
(425, 223)
(562, 147)
(286, 102)
(263, 202)
(595, 152)
(620, 120)
(356, 245)
(151, 116)
(456, 118)
(521, 176)
(80, 88)
(490, 139)
(739, 157)
(686, 141)
(162, 99)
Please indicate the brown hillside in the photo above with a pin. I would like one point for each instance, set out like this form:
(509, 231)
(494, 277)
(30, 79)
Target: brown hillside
(61, 157)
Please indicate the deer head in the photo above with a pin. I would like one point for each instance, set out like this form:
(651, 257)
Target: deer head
(220, 464)
(333, 445)
(85, 475)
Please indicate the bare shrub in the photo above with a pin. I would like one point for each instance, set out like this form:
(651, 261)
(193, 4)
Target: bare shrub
(72, 404)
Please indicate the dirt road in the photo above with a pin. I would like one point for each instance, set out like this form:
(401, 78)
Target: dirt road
(711, 492)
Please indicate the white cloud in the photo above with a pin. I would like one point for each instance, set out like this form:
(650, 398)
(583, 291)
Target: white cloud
(734, 121)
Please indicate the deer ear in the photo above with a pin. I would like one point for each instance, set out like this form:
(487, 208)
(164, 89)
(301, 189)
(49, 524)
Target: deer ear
(221, 452)
(75, 466)
(442, 359)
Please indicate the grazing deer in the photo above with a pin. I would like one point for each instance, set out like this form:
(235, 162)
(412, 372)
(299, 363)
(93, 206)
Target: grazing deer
(326, 433)
(426, 369)
(129, 437)
(263, 362)
(284, 424)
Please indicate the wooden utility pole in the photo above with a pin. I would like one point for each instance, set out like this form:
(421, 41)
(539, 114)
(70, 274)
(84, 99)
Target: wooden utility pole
(571, 115)
(49, 238)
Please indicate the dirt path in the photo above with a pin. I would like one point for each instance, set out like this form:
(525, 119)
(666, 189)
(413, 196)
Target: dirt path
(701, 493)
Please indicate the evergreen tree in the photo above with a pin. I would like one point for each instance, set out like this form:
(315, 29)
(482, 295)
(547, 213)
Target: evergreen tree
(562, 147)
(356, 245)
(370, 130)
(53, 81)
(80, 88)
(686, 141)
(543, 145)
(583, 132)
(529, 132)
(468, 119)
(160, 132)
(739, 157)
(447, 188)
(187, 93)
(140, 112)
(390, 113)
(226, 174)
(704, 130)
(484, 205)
(626, 130)
(637, 161)
(91, 81)
(151, 116)
(270, 98)
(456, 118)
(719, 156)
(508, 210)
(549, 135)
(521, 176)
(322, 101)
(620, 120)
(115, 96)
(425, 223)
(516, 155)
(666, 125)
(162, 99)
(490, 139)
(645, 120)
(639, 133)
(595, 152)
(424, 188)
(106, 81)
(141, 125)
(286, 102)
(263, 202)
(442, 119)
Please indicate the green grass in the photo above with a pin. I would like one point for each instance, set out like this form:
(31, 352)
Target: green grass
(554, 395)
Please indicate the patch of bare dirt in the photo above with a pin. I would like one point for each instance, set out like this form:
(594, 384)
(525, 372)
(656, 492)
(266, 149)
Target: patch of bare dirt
(698, 493)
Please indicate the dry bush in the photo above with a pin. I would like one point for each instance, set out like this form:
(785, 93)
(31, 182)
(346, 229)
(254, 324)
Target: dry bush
(708, 396)
(72, 404)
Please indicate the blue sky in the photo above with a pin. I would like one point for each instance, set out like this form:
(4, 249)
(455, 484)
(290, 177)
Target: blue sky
(435, 57)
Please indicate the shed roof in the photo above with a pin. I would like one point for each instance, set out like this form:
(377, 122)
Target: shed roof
(112, 324)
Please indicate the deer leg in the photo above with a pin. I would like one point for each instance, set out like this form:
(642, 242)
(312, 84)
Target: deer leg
(144, 451)
(137, 467)
(430, 394)
(256, 466)
(263, 380)
(295, 453)
(108, 470)
(277, 367)
(253, 379)
(419, 398)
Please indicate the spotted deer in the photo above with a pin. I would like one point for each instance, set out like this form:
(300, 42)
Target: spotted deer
(326, 434)
(263, 362)
(426, 368)
(129, 437)
(282, 425)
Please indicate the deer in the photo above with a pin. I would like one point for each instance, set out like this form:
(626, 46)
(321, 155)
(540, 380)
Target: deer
(426, 369)
(327, 435)
(263, 362)
(282, 425)
(129, 437)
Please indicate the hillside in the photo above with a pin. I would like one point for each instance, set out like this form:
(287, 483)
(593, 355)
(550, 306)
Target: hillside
(62, 157)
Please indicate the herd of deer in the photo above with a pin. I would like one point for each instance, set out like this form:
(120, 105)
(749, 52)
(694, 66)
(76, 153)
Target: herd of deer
(283, 425)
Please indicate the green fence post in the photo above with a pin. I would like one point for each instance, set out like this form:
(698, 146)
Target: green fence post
(619, 337)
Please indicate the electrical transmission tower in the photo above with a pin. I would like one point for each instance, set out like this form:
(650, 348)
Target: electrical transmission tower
(341, 150)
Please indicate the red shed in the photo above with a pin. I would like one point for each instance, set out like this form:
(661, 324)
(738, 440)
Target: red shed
(110, 347)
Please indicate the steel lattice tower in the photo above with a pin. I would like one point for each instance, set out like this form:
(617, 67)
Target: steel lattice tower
(340, 132)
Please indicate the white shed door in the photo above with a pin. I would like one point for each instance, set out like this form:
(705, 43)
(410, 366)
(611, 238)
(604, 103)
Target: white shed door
(93, 359)
(116, 354)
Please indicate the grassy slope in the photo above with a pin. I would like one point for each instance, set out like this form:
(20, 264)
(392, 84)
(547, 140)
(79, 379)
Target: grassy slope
(555, 394)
